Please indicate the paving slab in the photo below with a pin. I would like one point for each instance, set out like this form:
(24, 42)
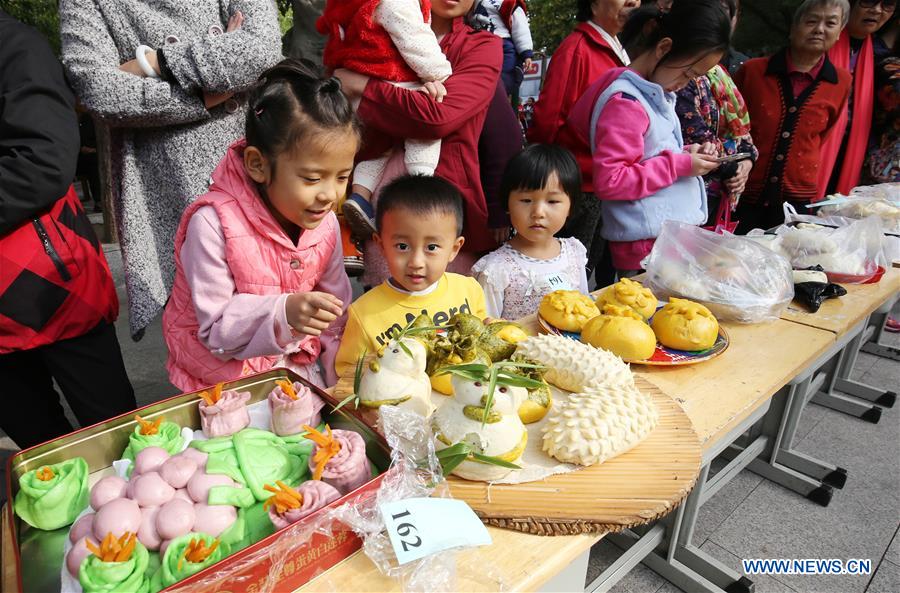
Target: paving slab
(886, 579)
(639, 580)
(893, 551)
(773, 522)
(721, 506)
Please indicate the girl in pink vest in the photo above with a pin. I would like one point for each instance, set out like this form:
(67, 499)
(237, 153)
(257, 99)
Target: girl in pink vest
(260, 280)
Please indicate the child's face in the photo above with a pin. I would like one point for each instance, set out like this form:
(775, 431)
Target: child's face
(538, 214)
(418, 247)
(306, 182)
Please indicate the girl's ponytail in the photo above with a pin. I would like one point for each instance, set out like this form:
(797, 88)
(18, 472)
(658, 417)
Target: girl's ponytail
(291, 102)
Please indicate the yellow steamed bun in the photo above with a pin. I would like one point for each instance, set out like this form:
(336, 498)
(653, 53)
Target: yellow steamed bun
(685, 325)
(629, 293)
(568, 310)
(622, 331)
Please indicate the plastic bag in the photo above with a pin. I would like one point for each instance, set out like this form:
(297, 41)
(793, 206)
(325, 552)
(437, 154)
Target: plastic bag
(737, 279)
(415, 472)
(882, 201)
(849, 250)
(858, 207)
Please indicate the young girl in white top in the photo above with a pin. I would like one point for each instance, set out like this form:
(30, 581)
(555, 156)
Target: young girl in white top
(541, 189)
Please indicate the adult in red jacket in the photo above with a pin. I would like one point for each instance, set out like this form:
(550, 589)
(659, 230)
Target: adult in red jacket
(855, 50)
(586, 54)
(392, 114)
(57, 297)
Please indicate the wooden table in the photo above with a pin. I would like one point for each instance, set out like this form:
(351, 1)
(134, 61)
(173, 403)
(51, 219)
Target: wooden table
(857, 319)
(515, 561)
(841, 314)
(722, 392)
(724, 397)
(746, 387)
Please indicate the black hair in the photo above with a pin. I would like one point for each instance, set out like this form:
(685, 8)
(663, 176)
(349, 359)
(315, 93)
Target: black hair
(694, 26)
(533, 166)
(420, 194)
(292, 102)
(584, 12)
(732, 7)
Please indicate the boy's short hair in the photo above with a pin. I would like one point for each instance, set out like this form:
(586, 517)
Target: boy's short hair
(420, 194)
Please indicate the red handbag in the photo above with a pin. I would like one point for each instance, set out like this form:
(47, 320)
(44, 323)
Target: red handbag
(723, 221)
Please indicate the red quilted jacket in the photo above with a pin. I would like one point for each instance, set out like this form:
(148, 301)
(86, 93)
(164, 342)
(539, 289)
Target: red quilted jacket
(54, 280)
(356, 42)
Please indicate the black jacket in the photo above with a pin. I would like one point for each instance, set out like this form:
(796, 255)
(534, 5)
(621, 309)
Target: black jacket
(38, 128)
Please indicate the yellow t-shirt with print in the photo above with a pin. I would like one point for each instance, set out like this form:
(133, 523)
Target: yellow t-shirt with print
(385, 310)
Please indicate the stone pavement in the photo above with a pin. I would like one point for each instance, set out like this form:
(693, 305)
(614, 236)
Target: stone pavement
(750, 517)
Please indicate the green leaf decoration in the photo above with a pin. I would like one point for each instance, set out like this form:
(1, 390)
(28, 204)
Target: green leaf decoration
(489, 402)
(410, 331)
(452, 456)
(405, 348)
(357, 376)
(448, 464)
(457, 449)
(494, 461)
(350, 398)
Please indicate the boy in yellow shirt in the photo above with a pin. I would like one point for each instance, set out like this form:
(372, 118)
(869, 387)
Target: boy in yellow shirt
(419, 221)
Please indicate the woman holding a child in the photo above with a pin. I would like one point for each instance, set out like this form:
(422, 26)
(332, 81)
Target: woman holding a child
(391, 114)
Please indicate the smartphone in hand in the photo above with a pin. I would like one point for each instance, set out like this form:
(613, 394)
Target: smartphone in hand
(738, 156)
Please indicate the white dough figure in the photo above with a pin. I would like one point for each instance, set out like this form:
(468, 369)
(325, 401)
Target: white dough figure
(400, 379)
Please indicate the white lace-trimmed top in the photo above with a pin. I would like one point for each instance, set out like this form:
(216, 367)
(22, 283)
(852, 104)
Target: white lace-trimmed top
(515, 283)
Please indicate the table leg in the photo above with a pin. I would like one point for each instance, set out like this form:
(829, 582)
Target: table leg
(636, 549)
(838, 381)
(876, 334)
(763, 456)
(846, 385)
(571, 578)
(678, 560)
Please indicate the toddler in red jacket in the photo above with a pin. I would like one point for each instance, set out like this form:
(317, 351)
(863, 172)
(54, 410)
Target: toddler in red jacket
(391, 40)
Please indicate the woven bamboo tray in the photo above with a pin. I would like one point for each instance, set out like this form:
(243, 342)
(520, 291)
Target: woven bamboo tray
(637, 487)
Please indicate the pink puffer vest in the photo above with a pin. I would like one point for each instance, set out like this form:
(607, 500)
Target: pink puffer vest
(262, 260)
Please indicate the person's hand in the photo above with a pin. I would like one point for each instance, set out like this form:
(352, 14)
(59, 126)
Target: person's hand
(500, 235)
(132, 67)
(709, 148)
(736, 184)
(701, 164)
(435, 89)
(526, 64)
(352, 83)
(234, 22)
(311, 313)
(210, 100)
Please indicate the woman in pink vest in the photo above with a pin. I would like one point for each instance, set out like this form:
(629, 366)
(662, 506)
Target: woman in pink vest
(260, 281)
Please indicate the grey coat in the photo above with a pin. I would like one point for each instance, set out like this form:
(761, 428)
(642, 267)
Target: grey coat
(163, 143)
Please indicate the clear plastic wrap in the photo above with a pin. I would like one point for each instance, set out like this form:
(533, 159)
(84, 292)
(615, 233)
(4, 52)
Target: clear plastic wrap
(415, 472)
(859, 207)
(882, 201)
(736, 278)
(850, 251)
(306, 545)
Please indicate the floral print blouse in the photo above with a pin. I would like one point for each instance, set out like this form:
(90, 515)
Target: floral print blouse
(711, 109)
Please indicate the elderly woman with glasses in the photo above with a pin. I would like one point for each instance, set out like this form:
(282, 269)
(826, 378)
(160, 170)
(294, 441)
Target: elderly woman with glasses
(795, 99)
